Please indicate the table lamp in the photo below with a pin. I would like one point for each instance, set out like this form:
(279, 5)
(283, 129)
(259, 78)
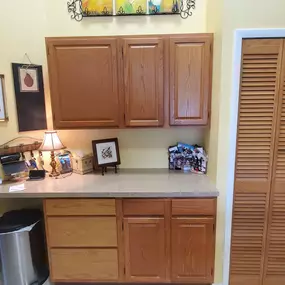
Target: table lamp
(51, 143)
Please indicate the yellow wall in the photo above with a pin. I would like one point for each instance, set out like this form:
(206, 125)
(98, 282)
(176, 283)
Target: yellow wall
(24, 31)
(214, 25)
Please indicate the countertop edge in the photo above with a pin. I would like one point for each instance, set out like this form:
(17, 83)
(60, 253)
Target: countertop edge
(111, 195)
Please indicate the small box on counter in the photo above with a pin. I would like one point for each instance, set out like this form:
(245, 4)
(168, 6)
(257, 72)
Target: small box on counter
(188, 158)
(82, 164)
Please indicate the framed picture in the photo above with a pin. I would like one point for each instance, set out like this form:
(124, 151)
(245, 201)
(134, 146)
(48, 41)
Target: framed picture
(28, 78)
(3, 111)
(30, 97)
(163, 7)
(64, 163)
(106, 152)
(133, 7)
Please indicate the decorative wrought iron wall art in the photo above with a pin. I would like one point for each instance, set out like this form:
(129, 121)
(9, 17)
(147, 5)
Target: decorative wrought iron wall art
(94, 8)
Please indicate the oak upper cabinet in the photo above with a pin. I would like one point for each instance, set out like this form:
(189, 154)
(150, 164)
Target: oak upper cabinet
(145, 252)
(83, 80)
(143, 75)
(192, 246)
(190, 79)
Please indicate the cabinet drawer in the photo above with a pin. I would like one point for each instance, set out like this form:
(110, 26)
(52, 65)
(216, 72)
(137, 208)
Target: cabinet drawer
(80, 207)
(204, 207)
(79, 265)
(82, 232)
(143, 207)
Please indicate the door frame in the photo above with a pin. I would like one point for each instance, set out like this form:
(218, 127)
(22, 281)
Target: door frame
(239, 35)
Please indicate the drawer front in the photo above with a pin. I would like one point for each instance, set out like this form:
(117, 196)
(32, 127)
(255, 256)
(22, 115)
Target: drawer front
(204, 207)
(143, 207)
(82, 232)
(79, 265)
(80, 207)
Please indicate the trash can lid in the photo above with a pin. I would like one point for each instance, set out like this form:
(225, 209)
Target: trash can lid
(18, 219)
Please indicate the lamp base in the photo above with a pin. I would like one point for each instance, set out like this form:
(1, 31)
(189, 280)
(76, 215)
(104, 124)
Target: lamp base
(54, 172)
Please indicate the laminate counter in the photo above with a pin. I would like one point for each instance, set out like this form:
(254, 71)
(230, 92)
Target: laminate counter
(126, 184)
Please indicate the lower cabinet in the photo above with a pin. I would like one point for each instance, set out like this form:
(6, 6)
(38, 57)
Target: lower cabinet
(131, 240)
(145, 254)
(192, 243)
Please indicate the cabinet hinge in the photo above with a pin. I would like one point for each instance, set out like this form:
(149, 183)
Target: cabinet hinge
(48, 51)
(212, 271)
(122, 52)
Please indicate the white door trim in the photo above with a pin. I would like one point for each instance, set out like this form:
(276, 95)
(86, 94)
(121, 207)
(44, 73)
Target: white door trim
(238, 37)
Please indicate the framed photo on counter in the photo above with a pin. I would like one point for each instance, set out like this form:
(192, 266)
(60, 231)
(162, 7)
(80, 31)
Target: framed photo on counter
(106, 152)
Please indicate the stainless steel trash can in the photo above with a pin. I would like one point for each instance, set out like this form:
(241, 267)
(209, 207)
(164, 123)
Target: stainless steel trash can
(22, 246)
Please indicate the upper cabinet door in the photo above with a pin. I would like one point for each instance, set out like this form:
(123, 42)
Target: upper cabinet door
(143, 82)
(83, 81)
(193, 246)
(190, 79)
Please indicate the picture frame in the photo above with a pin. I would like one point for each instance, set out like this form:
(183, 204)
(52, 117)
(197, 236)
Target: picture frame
(106, 152)
(3, 109)
(64, 163)
(30, 97)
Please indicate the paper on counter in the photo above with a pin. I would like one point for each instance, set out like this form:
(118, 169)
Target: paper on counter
(19, 187)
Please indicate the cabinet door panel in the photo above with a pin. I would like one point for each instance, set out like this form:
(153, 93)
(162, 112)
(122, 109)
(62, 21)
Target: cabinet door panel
(190, 82)
(192, 250)
(145, 249)
(143, 82)
(84, 84)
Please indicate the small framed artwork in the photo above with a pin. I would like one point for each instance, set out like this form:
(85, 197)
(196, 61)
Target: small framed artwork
(30, 97)
(28, 78)
(133, 7)
(64, 162)
(106, 152)
(97, 8)
(3, 111)
(163, 7)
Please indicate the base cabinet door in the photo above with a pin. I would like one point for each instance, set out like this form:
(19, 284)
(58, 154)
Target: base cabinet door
(192, 243)
(145, 253)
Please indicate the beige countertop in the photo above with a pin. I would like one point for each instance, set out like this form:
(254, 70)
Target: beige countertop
(127, 184)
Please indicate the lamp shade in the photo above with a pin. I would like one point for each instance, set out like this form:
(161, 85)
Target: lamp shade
(51, 142)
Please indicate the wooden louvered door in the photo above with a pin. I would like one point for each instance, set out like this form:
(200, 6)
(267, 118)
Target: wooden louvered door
(261, 61)
(274, 269)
